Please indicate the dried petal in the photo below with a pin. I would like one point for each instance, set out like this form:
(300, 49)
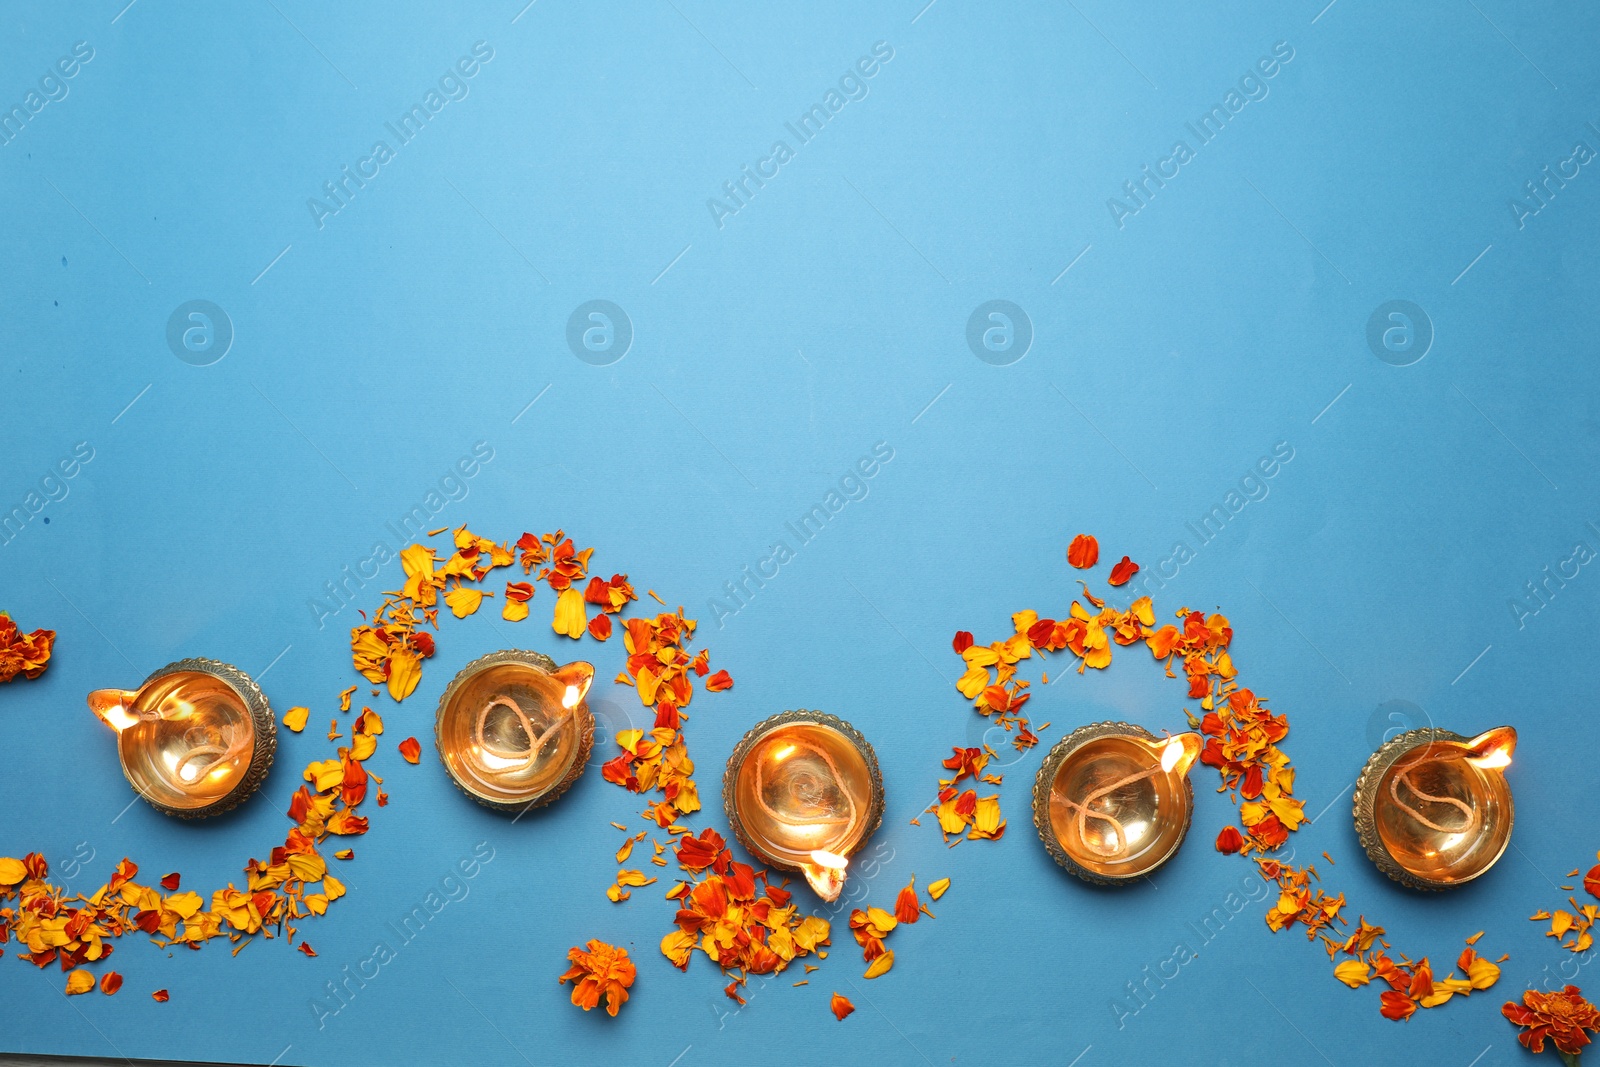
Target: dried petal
(1353, 973)
(1396, 1006)
(411, 750)
(1084, 552)
(840, 1006)
(1121, 572)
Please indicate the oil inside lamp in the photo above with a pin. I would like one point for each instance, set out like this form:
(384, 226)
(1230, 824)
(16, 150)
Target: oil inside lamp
(802, 792)
(195, 739)
(1434, 808)
(513, 729)
(1112, 802)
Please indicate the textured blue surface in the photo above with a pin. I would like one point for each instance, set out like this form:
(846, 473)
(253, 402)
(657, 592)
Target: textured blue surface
(375, 345)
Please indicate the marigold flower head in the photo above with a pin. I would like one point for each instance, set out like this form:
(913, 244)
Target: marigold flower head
(1562, 1017)
(599, 969)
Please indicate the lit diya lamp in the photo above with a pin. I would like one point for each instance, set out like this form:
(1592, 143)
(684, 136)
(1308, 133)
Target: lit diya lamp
(1112, 801)
(513, 729)
(195, 739)
(1433, 808)
(802, 792)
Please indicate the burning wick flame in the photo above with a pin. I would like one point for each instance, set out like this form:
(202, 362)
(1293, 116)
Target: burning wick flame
(1492, 760)
(570, 698)
(1491, 751)
(1171, 755)
(825, 873)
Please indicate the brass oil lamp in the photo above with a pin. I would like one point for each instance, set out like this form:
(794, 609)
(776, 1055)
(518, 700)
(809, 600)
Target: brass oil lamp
(196, 739)
(1112, 802)
(803, 792)
(1433, 808)
(513, 729)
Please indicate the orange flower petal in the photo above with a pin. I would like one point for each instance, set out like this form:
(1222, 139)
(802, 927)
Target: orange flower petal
(1121, 572)
(840, 1006)
(411, 749)
(1084, 552)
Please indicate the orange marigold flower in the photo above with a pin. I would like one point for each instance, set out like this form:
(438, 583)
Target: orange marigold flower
(20, 653)
(1562, 1017)
(1084, 552)
(599, 969)
(1121, 572)
(840, 1006)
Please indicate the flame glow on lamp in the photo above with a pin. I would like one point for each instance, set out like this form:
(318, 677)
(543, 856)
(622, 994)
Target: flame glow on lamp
(513, 730)
(1112, 802)
(195, 739)
(802, 792)
(1434, 808)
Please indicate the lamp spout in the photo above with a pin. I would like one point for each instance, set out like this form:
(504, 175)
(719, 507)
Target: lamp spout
(1177, 753)
(112, 707)
(575, 678)
(1491, 750)
(825, 874)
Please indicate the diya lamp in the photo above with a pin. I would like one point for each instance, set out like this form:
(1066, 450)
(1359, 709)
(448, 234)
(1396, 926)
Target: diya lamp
(196, 739)
(803, 792)
(1112, 801)
(1433, 808)
(513, 729)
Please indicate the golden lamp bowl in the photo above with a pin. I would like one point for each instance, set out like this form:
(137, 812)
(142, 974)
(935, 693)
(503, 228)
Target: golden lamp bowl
(513, 729)
(1433, 808)
(1112, 802)
(196, 739)
(803, 792)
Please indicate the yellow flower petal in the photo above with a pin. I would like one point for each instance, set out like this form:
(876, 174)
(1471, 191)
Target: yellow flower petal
(463, 601)
(12, 872)
(881, 965)
(295, 719)
(571, 617)
(1353, 973)
(936, 889)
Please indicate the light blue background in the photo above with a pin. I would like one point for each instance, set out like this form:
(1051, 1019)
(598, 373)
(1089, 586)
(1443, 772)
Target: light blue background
(828, 315)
